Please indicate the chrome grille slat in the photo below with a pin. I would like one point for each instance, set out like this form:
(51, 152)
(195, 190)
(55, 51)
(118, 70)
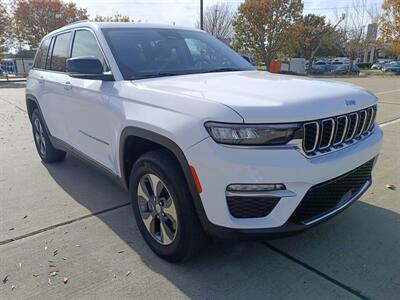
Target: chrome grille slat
(321, 136)
(323, 133)
(360, 127)
(352, 127)
(341, 139)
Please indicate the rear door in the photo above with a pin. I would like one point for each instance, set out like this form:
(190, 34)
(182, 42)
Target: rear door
(94, 118)
(57, 88)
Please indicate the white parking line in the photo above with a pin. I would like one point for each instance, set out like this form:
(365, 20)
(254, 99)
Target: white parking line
(387, 92)
(384, 124)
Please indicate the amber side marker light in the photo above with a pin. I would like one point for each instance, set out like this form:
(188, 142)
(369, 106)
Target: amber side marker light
(196, 179)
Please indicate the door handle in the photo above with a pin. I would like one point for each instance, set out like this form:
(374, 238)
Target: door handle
(41, 80)
(67, 86)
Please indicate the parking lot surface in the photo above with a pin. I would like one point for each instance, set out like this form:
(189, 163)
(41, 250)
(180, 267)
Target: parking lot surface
(67, 231)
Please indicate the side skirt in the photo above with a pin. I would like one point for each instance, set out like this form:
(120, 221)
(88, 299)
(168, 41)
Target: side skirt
(61, 145)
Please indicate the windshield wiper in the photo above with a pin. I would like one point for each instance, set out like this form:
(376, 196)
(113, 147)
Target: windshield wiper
(154, 75)
(223, 70)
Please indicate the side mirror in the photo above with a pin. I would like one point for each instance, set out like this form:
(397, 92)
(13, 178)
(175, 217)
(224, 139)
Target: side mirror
(87, 68)
(247, 58)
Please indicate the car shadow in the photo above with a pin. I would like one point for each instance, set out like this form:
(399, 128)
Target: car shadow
(360, 246)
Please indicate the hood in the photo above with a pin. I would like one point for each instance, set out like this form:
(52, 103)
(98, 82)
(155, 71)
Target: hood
(262, 97)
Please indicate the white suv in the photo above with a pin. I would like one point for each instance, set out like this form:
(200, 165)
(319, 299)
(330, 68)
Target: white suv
(205, 143)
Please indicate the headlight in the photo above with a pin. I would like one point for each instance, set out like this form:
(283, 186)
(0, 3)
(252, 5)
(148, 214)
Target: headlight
(257, 135)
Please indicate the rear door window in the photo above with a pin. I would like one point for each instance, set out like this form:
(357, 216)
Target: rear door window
(60, 52)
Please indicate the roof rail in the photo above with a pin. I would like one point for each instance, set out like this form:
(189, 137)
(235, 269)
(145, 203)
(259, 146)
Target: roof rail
(79, 21)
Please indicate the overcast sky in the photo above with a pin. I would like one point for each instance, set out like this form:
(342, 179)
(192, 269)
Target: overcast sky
(186, 12)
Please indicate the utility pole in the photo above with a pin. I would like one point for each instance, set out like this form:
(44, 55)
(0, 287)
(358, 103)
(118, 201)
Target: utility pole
(201, 14)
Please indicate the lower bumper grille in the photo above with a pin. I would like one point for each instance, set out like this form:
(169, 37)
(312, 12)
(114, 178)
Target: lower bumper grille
(325, 197)
(251, 207)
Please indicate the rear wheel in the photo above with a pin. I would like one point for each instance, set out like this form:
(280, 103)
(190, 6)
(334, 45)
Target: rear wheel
(163, 207)
(46, 151)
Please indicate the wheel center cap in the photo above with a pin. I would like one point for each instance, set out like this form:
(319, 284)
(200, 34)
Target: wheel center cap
(158, 208)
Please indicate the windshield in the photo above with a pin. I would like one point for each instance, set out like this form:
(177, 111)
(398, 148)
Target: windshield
(147, 52)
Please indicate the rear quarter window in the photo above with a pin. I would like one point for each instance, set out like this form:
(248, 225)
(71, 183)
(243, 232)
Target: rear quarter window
(41, 57)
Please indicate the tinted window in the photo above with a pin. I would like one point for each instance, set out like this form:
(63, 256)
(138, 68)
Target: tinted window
(60, 52)
(85, 44)
(40, 61)
(148, 52)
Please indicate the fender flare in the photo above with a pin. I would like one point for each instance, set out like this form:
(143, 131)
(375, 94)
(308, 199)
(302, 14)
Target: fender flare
(171, 146)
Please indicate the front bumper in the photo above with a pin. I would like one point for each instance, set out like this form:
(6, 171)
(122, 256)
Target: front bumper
(218, 166)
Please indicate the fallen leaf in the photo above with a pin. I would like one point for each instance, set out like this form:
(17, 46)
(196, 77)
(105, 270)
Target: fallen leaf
(35, 275)
(52, 266)
(5, 279)
(65, 280)
(77, 245)
(51, 261)
(122, 251)
(45, 248)
(55, 252)
(52, 274)
(391, 187)
(12, 287)
(24, 217)
(12, 228)
(49, 281)
(64, 258)
(128, 273)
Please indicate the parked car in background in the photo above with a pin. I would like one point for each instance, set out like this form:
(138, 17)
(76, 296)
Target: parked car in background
(320, 67)
(343, 69)
(393, 66)
(379, 64)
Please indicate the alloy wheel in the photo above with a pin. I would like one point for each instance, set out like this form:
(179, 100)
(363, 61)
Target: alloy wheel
(157, 209)
(39, 137)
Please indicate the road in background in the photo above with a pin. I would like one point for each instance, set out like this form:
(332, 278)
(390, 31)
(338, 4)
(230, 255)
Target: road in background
(69, 219)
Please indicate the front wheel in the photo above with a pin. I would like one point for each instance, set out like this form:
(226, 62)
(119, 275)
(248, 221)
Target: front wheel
(163, 207)
(46, 151)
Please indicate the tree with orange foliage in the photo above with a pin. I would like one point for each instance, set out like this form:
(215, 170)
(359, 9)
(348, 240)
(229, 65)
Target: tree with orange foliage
(261, 27)
(389, 26)
(36, 18)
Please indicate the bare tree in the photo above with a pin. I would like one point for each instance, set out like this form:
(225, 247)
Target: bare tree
(218, 20)
(355, 24)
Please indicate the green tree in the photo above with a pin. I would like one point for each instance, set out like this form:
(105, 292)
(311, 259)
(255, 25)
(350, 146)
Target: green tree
(117, 17)
(262, 27)
(35, 18)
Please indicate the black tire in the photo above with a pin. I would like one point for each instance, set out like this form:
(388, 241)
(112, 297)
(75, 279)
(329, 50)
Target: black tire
(190, 236)
(46, 151)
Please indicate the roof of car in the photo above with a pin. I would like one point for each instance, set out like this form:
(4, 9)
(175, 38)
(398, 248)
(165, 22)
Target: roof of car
(100, 25)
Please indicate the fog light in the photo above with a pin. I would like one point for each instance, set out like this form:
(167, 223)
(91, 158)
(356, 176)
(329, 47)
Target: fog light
(256, 187)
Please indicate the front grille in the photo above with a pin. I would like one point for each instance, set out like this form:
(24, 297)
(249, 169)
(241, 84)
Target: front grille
(251, 207)
(325, 135)
(327, 196)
